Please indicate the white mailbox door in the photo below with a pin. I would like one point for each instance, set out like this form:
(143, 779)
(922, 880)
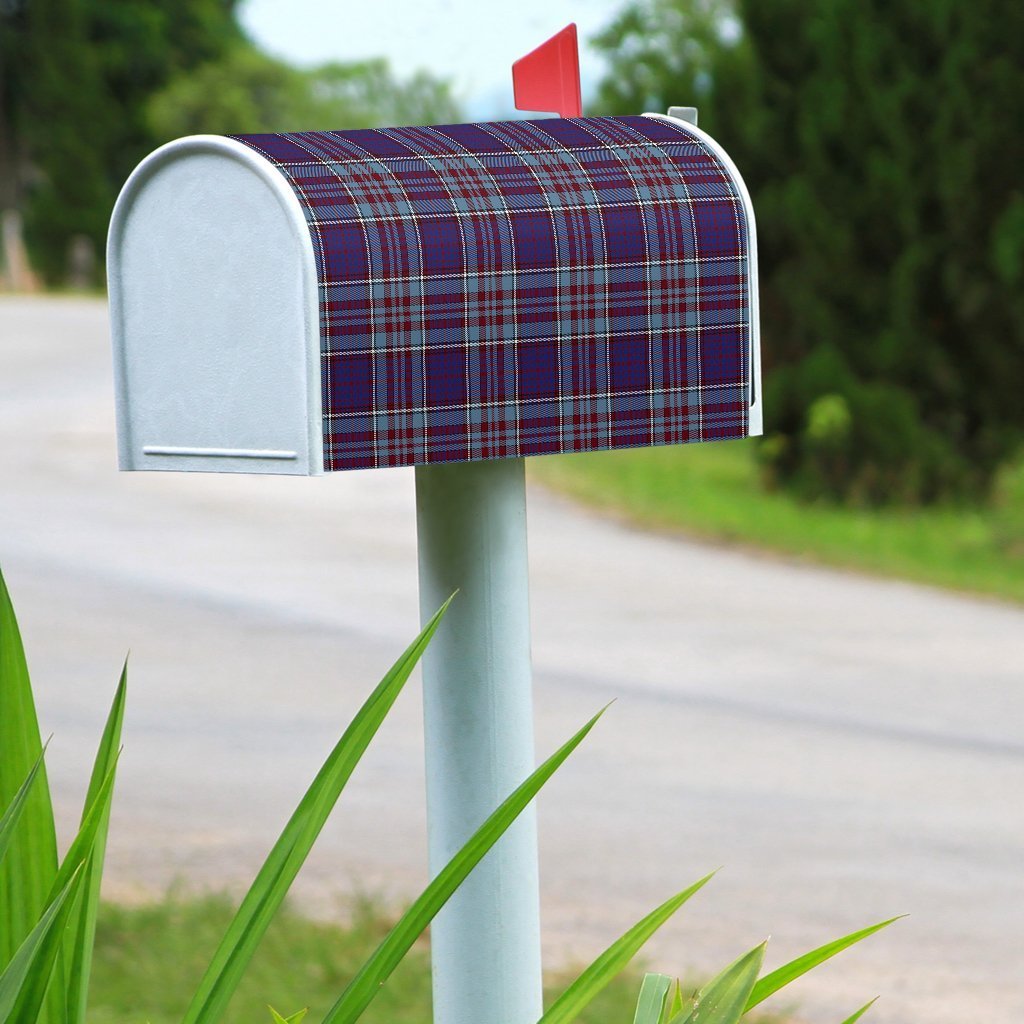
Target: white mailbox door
(215, 323)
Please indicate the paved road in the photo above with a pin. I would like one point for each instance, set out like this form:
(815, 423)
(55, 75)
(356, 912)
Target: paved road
(846, 748)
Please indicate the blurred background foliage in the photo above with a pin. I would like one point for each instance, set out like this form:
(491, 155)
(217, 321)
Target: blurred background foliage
(89, 87)
(248, 91)
(880, 141)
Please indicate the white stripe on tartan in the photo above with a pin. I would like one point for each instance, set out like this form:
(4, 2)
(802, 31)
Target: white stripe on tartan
(695, 145)
(443, 345)
(476, 214)
(688, 202)
(630, 265)
(513, 270)
(554, 235)
(539, 400)
(465, 328)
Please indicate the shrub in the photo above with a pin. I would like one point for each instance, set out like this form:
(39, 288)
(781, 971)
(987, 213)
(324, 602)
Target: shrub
(1008, 508)
(889, 212)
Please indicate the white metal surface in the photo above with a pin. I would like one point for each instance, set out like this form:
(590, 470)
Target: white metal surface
(213, 296)
(756, 416)
(688, 114)
(478, 719)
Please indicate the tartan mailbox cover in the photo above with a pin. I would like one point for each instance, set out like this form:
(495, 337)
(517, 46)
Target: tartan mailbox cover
(295, 303)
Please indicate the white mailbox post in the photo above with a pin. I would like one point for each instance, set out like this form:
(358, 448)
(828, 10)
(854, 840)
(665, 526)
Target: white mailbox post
(454, 298)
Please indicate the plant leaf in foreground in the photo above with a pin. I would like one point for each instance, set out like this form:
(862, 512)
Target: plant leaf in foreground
(82, 929)
(73, 866)
(23, 982)
(723, 999)
(676, 1003)
(30, 866)
(651, 1003)
(595, 977)
(290, 851)
(17, 805)
(853, 1018)
(782, 976)
(295, 1018)
(368, 980)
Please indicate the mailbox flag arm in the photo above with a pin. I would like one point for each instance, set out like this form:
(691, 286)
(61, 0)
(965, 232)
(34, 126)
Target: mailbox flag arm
(548, 78)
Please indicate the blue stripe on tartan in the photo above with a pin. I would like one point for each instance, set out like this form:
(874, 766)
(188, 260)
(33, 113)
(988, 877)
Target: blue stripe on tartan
(522, 287)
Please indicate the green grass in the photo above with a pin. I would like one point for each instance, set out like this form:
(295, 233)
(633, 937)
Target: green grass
(713, 491)
(150, 958)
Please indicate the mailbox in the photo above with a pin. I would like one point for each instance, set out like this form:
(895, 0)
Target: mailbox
(318, 301)
(453, 297)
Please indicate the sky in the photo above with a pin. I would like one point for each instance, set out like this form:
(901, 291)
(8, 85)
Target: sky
(471, 42)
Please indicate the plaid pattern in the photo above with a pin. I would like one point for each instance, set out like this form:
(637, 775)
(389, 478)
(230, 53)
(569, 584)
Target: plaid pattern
(522, 287)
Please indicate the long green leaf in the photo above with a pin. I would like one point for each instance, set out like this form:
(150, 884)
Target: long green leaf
(13, 813)
(782, 976)
(82, 931)
(28, 870)
(32, 964)
(676, 1003)
(854, 1017)
(73, 866)
(84, 843)
(723, 1000)
(282, 864)
(372, 975)
(572, 1001)
(651, 1004)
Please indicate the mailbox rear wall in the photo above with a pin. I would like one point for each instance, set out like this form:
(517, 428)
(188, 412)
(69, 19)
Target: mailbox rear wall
(524, 287)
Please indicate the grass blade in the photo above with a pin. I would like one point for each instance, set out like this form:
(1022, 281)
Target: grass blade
(723, 1000)
(30, 866)
(676, 1003)
(282, 864)
(17, 805)
(853, 1018)
(651, 1004)
(73, 866)
(84, 843)
(24, 981)
(572, 1001)
(82, 930)
(372, 975)
(779, 978)
(295, 1018)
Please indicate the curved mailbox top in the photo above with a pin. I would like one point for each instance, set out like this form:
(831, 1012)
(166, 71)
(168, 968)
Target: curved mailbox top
(481, 291)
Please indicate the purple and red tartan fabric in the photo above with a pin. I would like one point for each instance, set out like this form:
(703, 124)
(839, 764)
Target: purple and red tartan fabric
(522, 287)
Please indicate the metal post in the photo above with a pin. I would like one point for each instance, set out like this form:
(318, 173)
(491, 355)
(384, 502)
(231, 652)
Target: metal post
(478, 711)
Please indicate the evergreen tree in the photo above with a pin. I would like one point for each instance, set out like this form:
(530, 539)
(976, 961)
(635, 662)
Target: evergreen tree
(880, 142)
(75, 80)
(88, 87)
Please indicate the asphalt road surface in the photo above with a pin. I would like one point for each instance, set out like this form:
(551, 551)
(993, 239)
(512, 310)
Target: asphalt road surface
(846, 748)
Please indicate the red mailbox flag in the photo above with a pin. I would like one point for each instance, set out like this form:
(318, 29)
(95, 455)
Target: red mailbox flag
(548, 78)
